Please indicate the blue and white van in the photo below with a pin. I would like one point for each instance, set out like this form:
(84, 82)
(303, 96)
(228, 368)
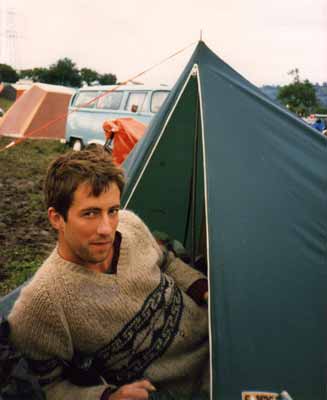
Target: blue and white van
(85, 117)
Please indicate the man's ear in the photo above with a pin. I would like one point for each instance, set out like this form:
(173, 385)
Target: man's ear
(56, 220)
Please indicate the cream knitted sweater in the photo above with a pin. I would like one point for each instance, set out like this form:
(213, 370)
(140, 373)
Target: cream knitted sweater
(139, 320)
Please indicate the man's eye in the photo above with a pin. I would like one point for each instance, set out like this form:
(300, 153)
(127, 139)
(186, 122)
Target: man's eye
(89, 214)
(113, 211)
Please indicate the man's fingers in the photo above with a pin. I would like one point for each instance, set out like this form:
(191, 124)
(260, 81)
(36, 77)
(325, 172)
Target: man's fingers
(134, 393)
(129, 392)
(144, 384)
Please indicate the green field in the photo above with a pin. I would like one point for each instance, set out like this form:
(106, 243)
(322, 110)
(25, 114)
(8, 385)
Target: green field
(5, 104)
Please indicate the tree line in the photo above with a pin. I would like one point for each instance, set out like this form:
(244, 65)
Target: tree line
(300, 96)
(64, 72)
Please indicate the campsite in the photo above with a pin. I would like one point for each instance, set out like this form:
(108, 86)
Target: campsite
(250, 198)
(238, 179)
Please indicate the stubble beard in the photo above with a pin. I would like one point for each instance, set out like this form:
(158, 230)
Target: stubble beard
(89, 257)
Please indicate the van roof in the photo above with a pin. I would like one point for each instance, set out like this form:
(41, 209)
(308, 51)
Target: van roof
(125, 87)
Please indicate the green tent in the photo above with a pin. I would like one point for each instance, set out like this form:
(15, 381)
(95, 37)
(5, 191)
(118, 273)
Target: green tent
(240, 180)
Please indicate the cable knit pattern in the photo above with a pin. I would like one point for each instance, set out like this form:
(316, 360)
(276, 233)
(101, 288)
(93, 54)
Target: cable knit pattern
(140, 322)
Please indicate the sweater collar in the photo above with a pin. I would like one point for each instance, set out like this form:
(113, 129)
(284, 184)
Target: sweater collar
(121, 262)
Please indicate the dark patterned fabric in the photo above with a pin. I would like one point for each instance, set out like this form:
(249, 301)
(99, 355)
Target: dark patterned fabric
(16, 378)
(43, 367)
(145, 338)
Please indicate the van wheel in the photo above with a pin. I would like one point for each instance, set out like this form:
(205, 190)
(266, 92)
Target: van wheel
(77, 145)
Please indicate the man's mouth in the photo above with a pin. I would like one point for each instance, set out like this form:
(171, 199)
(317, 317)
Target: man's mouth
(101, 243)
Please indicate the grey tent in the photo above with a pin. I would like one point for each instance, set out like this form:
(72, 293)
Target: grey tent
(240, 180)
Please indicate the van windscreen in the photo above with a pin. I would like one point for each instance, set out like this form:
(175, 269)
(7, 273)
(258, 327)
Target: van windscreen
(83, 98)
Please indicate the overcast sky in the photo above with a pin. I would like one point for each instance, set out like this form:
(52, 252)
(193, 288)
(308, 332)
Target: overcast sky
(261, 39)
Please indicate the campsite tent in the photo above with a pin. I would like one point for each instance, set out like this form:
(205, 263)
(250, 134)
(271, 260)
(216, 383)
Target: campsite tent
(239, 179)
(121, 136)
(22, 86)
(35, 108)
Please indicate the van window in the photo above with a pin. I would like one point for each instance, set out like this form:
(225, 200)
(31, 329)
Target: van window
(135, 101)
(157, 99)
(111, 101)
(83, 98)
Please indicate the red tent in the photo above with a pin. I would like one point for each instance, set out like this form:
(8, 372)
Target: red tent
(122, 134)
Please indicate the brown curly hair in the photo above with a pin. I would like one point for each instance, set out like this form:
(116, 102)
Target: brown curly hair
(93, 165)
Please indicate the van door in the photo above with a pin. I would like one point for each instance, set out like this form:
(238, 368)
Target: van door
(78, 119)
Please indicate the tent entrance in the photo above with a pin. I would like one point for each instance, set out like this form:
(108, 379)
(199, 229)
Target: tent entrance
(169, 196)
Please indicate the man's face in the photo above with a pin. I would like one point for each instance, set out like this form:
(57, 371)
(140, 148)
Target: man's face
(87, 237)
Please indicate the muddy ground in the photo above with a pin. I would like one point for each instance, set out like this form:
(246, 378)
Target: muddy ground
(25, 235)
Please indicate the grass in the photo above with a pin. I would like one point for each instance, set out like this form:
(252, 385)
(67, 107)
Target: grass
(25, 235)
(5, 103)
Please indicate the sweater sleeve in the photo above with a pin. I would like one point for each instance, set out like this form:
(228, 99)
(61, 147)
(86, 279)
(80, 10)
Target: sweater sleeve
(40, 331)
(183, 274)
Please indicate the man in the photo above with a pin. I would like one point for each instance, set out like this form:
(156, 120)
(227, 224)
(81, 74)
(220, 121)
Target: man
(319, 125)
(109, 314)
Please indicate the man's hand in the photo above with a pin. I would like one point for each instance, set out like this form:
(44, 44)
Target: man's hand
(134, 391)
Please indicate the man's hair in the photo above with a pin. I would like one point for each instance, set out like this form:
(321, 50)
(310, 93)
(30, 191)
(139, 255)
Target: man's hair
(93, 165)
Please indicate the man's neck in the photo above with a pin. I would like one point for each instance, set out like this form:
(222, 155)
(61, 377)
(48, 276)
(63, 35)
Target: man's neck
(103, 266)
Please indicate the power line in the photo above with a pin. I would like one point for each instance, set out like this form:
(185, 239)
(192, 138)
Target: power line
(8, 35)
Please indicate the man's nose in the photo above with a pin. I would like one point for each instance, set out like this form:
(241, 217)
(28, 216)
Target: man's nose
(105, 227)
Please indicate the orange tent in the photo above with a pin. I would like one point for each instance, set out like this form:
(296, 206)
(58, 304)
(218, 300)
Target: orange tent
(121, 136)
(22, 86)
(36, 107)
